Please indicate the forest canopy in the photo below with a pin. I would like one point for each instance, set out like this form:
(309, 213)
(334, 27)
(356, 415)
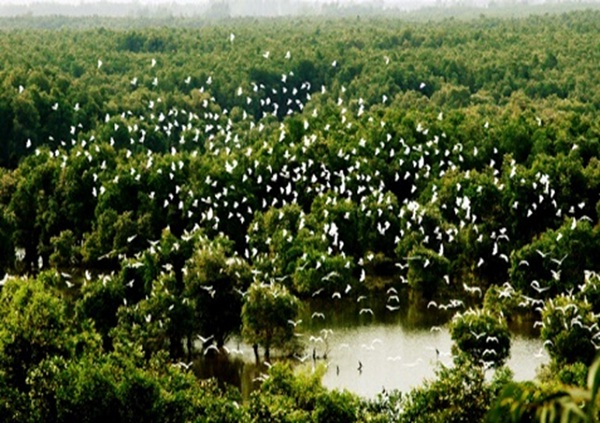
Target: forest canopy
(163, 188)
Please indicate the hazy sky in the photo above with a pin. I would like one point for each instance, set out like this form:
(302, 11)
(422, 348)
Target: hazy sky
(410, 4)
(198, 2)
(288, 5)
(21, 2)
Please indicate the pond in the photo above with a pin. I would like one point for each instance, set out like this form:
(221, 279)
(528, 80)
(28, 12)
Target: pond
(367, 352)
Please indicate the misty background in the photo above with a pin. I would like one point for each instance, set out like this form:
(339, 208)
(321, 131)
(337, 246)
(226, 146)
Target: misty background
(222, 9)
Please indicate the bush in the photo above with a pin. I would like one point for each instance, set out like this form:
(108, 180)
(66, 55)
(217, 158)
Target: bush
(482, 336)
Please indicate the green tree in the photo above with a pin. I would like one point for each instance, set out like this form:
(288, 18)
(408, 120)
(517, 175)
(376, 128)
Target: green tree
(482, 335)
(527, 401)
(289, 396)
(34, 326)
(567, 324)
(266, 313)
(426, 271)
(457, 394)
(215, 282)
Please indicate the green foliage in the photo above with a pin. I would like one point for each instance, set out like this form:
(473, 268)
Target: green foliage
(426, 271)
(34, 327)
(66, 253)
(215, 283)
(317, 271)
(100, 302)
(289, 397)
(483, 336)
(266, 313)
(555, 267)
(566, 322)
(139, 165)
(503, 301)
(459, 393)
(527, 402)
(572, 374)
(94, 389)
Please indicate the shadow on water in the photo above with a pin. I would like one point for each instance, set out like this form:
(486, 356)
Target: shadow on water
(368, 345)
(350, 313)
(228, 370)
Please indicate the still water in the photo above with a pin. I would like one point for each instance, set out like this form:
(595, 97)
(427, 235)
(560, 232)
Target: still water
(365, 352)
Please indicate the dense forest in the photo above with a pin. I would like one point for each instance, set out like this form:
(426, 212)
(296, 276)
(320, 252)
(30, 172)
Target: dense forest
(165, 188)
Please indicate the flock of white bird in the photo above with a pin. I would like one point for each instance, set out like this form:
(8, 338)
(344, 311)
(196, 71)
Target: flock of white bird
(290, 171)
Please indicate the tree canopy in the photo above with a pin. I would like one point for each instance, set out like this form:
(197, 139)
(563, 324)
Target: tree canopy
(163, 188)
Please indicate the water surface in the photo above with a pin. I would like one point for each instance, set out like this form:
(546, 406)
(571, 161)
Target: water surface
(367, 352)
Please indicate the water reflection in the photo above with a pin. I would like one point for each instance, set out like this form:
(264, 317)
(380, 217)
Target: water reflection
(366, 352)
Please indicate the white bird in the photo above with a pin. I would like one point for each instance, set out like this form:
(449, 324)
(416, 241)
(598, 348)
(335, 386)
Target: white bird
(401, 266)
(181, 364)
(541, 253)
(414, 363)
(205, 340)
(536, 285)
(212, 347)
(472, 289)
(330, 275)
(302, 359)
(559, 262)
(294, 323)
(317, 292)
(478, 335)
